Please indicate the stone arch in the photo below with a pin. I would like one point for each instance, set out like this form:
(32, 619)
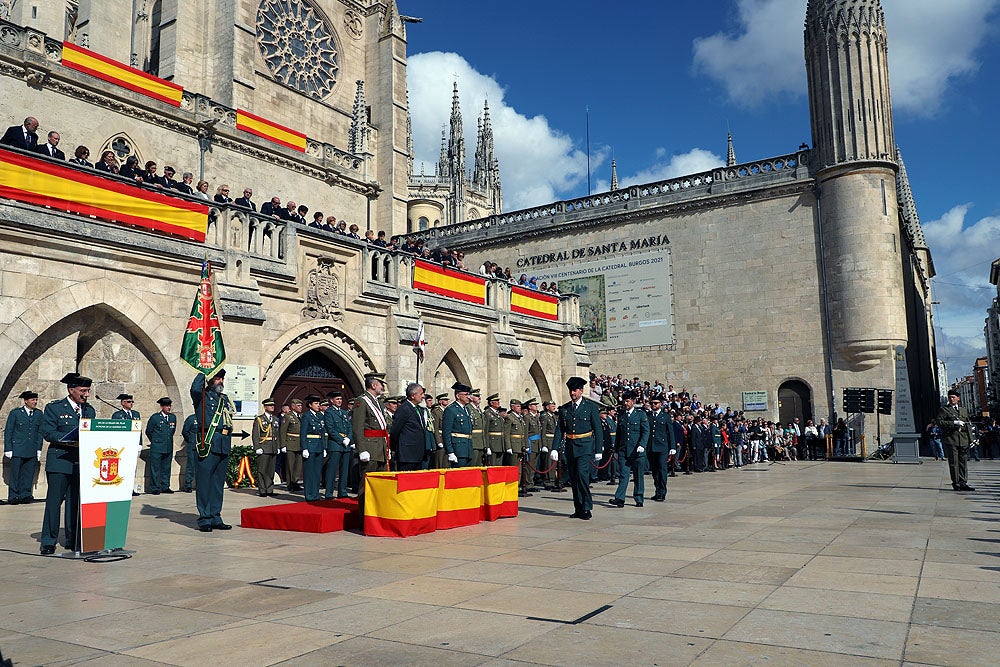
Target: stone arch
(449, 370)
(795, 400)
(316, 335)
(541, 384)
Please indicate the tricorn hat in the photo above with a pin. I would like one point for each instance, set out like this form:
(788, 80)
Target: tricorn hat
(165, 401)
(27, 395)
(575, 383)
(333, 394)
(312, 398)
(124, 397)
(76, 380)
(458, 388)
(954, 392)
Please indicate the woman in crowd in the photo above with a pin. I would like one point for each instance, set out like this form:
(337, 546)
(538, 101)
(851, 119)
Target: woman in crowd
(202, 190)
(108, 162)
(80, 156)
(131, 169)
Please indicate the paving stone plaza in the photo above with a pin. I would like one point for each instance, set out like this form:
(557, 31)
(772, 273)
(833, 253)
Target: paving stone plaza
(801, 564)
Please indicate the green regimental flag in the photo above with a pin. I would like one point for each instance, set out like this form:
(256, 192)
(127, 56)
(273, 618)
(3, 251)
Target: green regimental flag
(202, 347)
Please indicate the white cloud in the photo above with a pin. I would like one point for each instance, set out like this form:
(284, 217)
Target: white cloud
(694, 161)
(930, 43)
(962, 255)
(538, 163)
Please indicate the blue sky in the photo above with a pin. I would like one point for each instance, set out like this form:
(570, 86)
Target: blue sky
(664, 81)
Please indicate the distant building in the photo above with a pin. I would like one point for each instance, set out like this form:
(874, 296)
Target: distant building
(992, 332)
(979, 378)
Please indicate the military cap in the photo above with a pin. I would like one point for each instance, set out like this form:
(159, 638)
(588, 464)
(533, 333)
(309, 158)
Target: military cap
(392, 399)
(629, 396)
(458, 387)
(333, 394)
(295, 401)
(603, 410)
(375, 376)
(546, 404)
(267, 401)
(324, 402)
(441, 397)
(27, 395)
(531, 401)
(165, 401)
(312, 398)
(575, 383)
(954, 392)
(476, 392)
(656, 398)
(514, 402)
(493, 397)
(76, 380)
(124, 397)
(221, 373)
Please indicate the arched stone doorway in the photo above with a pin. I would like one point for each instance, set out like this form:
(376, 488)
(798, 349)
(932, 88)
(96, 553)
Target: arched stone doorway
(794, 400)
(318, 371)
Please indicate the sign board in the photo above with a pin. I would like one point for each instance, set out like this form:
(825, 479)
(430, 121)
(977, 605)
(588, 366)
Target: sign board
(754, 401)
(109, 452)
(243, 387)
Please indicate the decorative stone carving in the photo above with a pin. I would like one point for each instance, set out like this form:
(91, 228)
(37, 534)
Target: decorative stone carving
(327, 331)
(353, 24)
(298, 46)
(323, 299)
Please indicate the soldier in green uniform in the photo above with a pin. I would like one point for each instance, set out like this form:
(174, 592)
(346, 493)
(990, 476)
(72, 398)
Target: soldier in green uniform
(494, 430)
(478, 428)
(160, 430)
(215, 411)
(371, 434)
(60, 427)
(289, 436)
(578, 428)
(339, 444)
(440, 456)
(514, 444)
(547, 420)
(631, 440)
(456, 428)
(532, 442)
(265, 445)
(22, 446)
(126, 412)
(430, 440)
(189, 433)
(312, 437)
(956, 435)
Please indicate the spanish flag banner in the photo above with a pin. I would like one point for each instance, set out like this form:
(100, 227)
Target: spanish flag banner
(500, 483)
(535, 304)
(449, 282)
(400, 504)
(460, 499)
(47, 183)
(266, 129)
(112, 71)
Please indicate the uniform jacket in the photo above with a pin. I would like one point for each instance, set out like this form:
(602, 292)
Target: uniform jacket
(312, 433)
(437, 412)
(160, 430)
(951, 435)
(661, 432)
(408, 434)
(338, 427)
(430, 440)
(532, 431)
(23, 433)
(289, 433)
(632, 432)
(58, 420)
(513, 433)
(578, 421)
(265, 433)
(189, 432)
(478, 427)
(368, 416)
(548, 421)
(126, 414)
(456, 430)
(494, 430)
(222, 441)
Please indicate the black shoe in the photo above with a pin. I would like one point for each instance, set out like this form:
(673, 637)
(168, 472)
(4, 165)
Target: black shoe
(187, 489)
(673, 474)
(343, 496)
(966, 487)
(659, 499)
(612, 483)
(638, 503)
(168, 490)
(956, 487)
(586, 515)
(205, 529)
(688, 472)
(135, 493)
(155, 493)
(615, 502)
(222, 526)
(523, 494)
(48, 549)
(576, 515)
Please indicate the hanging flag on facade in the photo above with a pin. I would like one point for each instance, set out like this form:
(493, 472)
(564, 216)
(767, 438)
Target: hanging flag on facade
(202, 347)
(419, 343)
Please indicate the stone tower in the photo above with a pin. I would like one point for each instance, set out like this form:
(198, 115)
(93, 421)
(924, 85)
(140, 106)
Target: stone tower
(854, 160)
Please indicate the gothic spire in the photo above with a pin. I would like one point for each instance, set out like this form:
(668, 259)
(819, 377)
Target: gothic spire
(614, 175)
(442, 168)
(357, 139)
(456, 141)
(907, 205)
(409, 139)
(730, 152)
(392, 22)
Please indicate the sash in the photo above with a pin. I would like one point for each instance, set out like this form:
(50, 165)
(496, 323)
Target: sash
(205, 447)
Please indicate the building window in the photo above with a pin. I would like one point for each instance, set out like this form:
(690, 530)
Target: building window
(298, 46)
(123, 146)
(422, 224)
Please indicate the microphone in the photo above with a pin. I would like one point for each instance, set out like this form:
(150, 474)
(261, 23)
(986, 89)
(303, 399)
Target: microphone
(108, 403)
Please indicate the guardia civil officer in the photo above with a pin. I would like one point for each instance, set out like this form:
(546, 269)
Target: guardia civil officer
(339, 445)
(956, 435)
(213, 456)
(265, 444)
(126, 412)
(661, 445)
(313, 441)
(189, 433)
(22, 446)
(60, 427)
(478, 428)
(547, 419)
(290, 434)
(631, 440)
(439, 458)
(456, 428)
(160, 430)
(578, 429)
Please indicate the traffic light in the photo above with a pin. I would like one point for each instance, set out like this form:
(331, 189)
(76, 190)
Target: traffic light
(868, 401)
(852, 400)
(885, 401)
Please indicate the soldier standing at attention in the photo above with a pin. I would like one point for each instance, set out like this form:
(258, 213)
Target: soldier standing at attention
(547, 420)
(339, 443)
(440, 456)
(60, 426)
(661, 446)
(160, 430)
(578, 428)
(215, 433)
(456, 428)
(514, 444)
(632, 438)
(494, 421)
(189, 432)
(289, 435)
(126, 412)
(371, 434)
(22, 446)
(312, 434)
(265, 445)
(956, 436)
(532, 441)
(478, 429)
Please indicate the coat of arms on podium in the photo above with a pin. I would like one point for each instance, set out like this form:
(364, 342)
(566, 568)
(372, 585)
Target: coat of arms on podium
(106, 461)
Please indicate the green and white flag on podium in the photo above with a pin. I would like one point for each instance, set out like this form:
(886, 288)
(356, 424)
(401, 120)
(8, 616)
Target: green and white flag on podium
(109, 452)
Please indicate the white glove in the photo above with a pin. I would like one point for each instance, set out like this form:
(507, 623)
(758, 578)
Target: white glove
(641, 450)
(510, 451)
(353, 446)
(440, 445)
(259, 451)
(452, 458)
(554, 455)
(598, 456)
(959, 423)
(8, 455)
(489, 452)
(673, 452)
(347, 441)
(364, 457)
(283, 450)
(305, 453)
(324, 453)
(545, 450)
(38, 455)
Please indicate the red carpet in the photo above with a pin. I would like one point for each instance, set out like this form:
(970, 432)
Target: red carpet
(321, 516)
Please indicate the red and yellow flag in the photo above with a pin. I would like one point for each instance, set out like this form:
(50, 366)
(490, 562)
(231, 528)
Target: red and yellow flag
(449, 282)
(47, 183)
(533, 303)
(112, 71)
(400, 504)
(270, 130)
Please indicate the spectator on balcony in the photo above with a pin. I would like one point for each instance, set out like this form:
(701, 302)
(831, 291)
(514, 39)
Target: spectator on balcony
(330, 225)
(131, 169)
(22, 136)
(300, 215)
(108, 163)
(272, 208)
(80, 156)
(342, 227)
(245, 201)
(185, 185)
(222, 194)
(544, 287)
(443, 256)
(460, 260)
(409, 246)
(353, 233)
(167, 180)
(510, 278)
(382, 243)
(317, 221)
(370, 237)
(523, 280)
(533, 283)
(149, 176)
(51, 147)
(202, 190)
(288, 213)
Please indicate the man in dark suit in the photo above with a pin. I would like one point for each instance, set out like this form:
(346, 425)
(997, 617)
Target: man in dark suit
(22, 446)
(60, 426)
(272, 208)
(22, 136)
(578, 428)
(245, 200)
(50, 147)
(408, 433)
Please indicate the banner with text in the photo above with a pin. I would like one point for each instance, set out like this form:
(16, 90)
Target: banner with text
(109, 452)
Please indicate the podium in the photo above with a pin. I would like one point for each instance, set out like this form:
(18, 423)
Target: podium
(109, 452)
